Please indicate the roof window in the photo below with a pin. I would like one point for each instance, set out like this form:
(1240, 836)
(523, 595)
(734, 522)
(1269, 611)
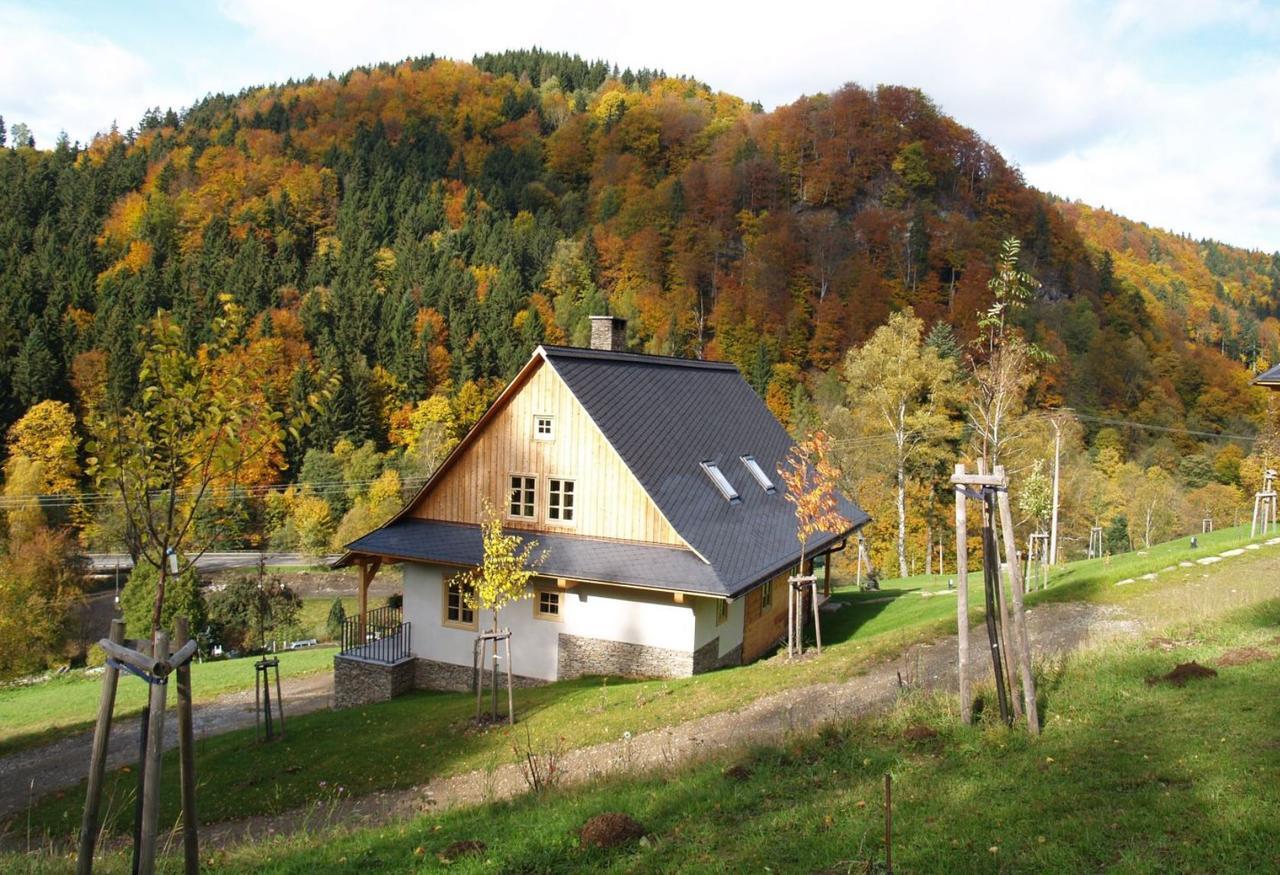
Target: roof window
(721, 482)
(757, 472)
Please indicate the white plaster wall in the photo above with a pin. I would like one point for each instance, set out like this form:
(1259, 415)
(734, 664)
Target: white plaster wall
(729, 632)
(612, 613)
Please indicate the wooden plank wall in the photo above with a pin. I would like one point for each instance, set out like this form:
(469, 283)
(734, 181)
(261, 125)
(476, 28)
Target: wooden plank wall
(609, 500)
(762, 629)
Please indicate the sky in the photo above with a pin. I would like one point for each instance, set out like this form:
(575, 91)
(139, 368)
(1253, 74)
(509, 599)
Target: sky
(1167, 112)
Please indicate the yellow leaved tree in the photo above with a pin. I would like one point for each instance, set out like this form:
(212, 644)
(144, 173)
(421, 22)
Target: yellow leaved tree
(503, 577)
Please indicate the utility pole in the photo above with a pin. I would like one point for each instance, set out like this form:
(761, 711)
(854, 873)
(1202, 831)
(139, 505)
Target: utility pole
(1053, 523)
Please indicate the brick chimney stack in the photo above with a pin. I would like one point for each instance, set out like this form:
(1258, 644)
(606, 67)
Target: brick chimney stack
(609, 333)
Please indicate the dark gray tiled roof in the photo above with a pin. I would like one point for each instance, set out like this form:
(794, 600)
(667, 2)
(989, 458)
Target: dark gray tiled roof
(647, 565)
(1269, 377)
(664, 417)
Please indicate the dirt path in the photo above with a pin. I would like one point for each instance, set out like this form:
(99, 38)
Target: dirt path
(64, 763)
(1054, 629)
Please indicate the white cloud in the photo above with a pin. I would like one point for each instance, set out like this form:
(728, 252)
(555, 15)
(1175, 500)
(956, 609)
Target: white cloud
(1092, 99)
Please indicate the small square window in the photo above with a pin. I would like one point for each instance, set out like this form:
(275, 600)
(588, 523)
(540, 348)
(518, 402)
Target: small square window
(560, 502)
(547, 606)
(722, 611)
(544, 428)
(521, 499)
(456, 611)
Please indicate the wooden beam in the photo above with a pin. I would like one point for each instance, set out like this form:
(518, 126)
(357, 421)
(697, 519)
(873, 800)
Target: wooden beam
(961, 479)
(1022, 644)
(565, 583)
(679, 597)
(98, 758)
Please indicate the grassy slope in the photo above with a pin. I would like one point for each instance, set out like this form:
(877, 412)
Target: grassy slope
(1127, 777)
(425, 735)
(59, 707)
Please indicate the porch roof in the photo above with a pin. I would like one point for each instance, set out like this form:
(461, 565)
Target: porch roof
(649, 566)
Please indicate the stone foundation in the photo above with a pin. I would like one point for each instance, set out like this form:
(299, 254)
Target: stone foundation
(580, 656)
(430, 674)
(707, 657)
(359, 682)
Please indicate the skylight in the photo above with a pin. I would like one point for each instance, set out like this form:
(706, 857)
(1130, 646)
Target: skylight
(721, 482)
(757, 472)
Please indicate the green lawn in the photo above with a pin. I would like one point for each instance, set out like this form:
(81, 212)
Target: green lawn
(1127, 777)
(315, 614)
(43, 712)
(417, 737)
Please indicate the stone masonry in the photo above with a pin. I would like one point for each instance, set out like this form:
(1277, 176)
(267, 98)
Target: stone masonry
(359, 682)
(430, 674)
(579, 656)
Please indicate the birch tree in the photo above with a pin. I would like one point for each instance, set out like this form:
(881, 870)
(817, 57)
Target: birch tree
(904, 391)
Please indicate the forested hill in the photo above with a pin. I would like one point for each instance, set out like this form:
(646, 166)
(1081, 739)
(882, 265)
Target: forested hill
(419, 227)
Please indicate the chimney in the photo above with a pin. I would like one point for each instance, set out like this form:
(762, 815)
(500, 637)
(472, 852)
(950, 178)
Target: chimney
(609, 333)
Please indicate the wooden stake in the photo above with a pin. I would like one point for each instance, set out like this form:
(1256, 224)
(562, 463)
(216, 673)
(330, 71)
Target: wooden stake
(817, 625)
(1019, 619)
(1002, 627)
(155, 746)
(511, 703)
(791, 621)
(888, 823)
(187, 756)
(98, 758)
(962, 599)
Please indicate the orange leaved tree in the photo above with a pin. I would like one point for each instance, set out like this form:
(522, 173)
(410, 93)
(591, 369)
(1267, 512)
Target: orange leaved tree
(810, 477)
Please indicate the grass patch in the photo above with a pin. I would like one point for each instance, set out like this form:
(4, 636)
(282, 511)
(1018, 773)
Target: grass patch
(43, 712)
(422, 736)
(1126, 777)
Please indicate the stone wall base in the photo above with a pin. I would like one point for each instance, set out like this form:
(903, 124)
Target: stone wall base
(580, 656)
(708, 658)
(431, 674)
(358, 682)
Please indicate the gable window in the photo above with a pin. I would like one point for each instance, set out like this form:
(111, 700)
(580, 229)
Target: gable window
(722, 611)
(560, 506)
(547, 607)
(521, 497)
(757, 472)
(456, 612)
(721, 482)
(544, 427)
(766, 596)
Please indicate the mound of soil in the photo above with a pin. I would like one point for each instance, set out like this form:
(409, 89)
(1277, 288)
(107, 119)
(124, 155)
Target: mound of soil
(1243, 656)
(457, 850)
(1183, 672)
(738, 773)
(918, 732)
(609, 830)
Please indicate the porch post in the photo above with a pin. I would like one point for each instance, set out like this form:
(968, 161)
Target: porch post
(368, 568)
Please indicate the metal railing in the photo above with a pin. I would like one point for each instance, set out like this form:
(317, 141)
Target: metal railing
(384, 636)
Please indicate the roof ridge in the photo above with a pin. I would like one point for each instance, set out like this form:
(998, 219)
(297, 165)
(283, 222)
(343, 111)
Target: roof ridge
(635, 358)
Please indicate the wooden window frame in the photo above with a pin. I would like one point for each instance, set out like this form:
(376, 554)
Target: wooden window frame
(539, 614)
(462, 606)
(722, 611)
(533, 503)
(537, 420)
(573, 506)
(766, 596)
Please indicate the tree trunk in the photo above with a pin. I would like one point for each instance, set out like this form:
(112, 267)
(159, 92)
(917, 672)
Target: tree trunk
(902, 520)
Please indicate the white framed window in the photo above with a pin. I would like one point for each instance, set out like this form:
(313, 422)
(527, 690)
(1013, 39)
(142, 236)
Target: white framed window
(544, 427)
(757, 472)
(522, 495)
(456, 612)
(721, 482)
(547, 605)
(560, 502)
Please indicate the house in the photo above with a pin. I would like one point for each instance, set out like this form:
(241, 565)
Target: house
(1269, 378)
(650, 484)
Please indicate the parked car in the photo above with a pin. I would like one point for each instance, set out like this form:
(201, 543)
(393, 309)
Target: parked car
(298, 645)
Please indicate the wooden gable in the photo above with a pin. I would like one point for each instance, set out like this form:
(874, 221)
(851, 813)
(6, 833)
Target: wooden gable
(609, 500)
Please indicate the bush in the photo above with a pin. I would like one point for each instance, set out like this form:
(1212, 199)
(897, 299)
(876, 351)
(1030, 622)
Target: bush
(182, 598)
(251, 610)
(337, 616)
(96, 657)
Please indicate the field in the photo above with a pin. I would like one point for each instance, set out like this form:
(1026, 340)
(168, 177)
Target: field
(1129, 776)
(42, 712)
(424, 735)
